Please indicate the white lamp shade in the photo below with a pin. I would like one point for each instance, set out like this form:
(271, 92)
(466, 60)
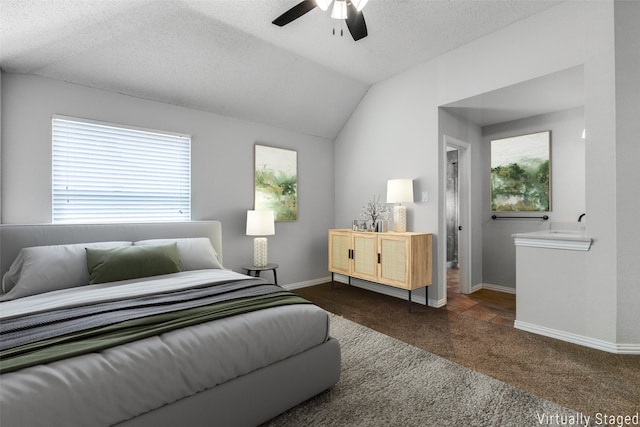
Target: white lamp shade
(260, 223)
(400, 191)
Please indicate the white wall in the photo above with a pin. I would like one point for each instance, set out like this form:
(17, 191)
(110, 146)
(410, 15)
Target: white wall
(222, 167)
(1, 132)
(627, 35)
(567, 188)
(394, 133)
(1, 75)
(463, 130)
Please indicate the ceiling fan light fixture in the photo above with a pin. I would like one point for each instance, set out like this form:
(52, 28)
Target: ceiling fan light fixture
(345, 10)
(339, 9)
(323, 4)
(359, 4)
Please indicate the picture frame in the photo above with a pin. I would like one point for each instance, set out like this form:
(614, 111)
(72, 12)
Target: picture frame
(521, 173)
(276, 181)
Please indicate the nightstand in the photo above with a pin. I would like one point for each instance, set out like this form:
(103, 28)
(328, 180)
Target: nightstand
(258, 270)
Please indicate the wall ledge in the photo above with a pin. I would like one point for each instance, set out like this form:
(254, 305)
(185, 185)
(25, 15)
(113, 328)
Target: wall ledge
(553, 244)
(553, 240)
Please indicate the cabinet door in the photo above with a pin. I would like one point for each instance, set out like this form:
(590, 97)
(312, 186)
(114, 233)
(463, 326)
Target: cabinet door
(394, 260)
(365, 256)
(339, 246)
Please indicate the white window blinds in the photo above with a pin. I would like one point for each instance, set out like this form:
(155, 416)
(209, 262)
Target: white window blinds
(106, 173)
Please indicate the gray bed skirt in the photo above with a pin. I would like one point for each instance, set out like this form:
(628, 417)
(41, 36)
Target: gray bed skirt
(253, 398)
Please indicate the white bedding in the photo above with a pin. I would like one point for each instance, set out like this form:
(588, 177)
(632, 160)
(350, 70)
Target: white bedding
(122, 382)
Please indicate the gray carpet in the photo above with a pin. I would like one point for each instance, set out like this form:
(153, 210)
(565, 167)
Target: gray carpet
(386, 382)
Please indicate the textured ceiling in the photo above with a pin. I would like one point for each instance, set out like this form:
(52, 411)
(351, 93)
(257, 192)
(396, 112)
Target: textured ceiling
(226, 57)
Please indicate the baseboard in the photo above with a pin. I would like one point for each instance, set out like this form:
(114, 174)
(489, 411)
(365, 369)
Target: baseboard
(307, 283)
(477, 287)
(437, 303)
(579, 339)
(390, 291)
(371, 286)
(491, 287)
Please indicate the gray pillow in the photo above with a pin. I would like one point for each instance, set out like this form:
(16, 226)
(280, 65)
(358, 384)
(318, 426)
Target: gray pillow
(131, 262)
(196, 253)
(41, 269)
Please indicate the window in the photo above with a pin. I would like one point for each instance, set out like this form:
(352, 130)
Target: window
(109, 173)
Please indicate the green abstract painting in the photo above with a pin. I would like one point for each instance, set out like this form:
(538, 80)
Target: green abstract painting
(276, 181)
(520, 173)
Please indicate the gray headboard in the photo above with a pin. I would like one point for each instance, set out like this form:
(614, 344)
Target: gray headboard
(15, 237)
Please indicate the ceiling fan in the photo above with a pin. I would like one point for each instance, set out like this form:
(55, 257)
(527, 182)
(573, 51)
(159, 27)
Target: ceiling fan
(348, 10)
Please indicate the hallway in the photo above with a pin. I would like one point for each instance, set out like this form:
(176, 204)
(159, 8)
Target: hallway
(490, 306)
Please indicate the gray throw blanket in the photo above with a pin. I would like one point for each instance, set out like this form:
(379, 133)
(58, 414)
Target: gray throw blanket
(41, 326)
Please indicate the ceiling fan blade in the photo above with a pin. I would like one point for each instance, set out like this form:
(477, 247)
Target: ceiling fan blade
(295, 12)
(355, 23)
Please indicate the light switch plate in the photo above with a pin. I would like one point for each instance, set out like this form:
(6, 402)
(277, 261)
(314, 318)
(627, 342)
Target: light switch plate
(425, 196)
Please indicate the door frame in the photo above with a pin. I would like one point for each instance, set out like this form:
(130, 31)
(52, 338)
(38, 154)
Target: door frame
(464, 218)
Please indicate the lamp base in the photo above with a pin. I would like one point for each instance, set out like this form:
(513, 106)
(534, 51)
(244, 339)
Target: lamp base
(260, 252)
(399, 219)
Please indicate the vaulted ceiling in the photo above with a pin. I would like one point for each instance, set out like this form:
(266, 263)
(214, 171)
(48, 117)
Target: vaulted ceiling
(226, 57)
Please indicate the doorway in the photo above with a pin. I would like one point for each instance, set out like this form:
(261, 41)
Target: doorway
(452, 208)
(456, 179)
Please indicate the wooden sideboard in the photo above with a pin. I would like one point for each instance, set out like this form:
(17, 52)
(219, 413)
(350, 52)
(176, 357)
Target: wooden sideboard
(401, 260)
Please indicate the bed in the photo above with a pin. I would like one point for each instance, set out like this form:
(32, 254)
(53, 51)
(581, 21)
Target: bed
(203, 345)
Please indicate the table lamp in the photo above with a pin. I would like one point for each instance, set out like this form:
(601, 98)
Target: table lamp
(399, 191)
(260, 223)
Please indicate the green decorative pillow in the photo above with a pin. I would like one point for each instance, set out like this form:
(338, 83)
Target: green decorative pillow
(131, 262)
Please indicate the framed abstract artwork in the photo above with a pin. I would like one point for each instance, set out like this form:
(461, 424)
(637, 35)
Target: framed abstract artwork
(276, 181)
(521, 173)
